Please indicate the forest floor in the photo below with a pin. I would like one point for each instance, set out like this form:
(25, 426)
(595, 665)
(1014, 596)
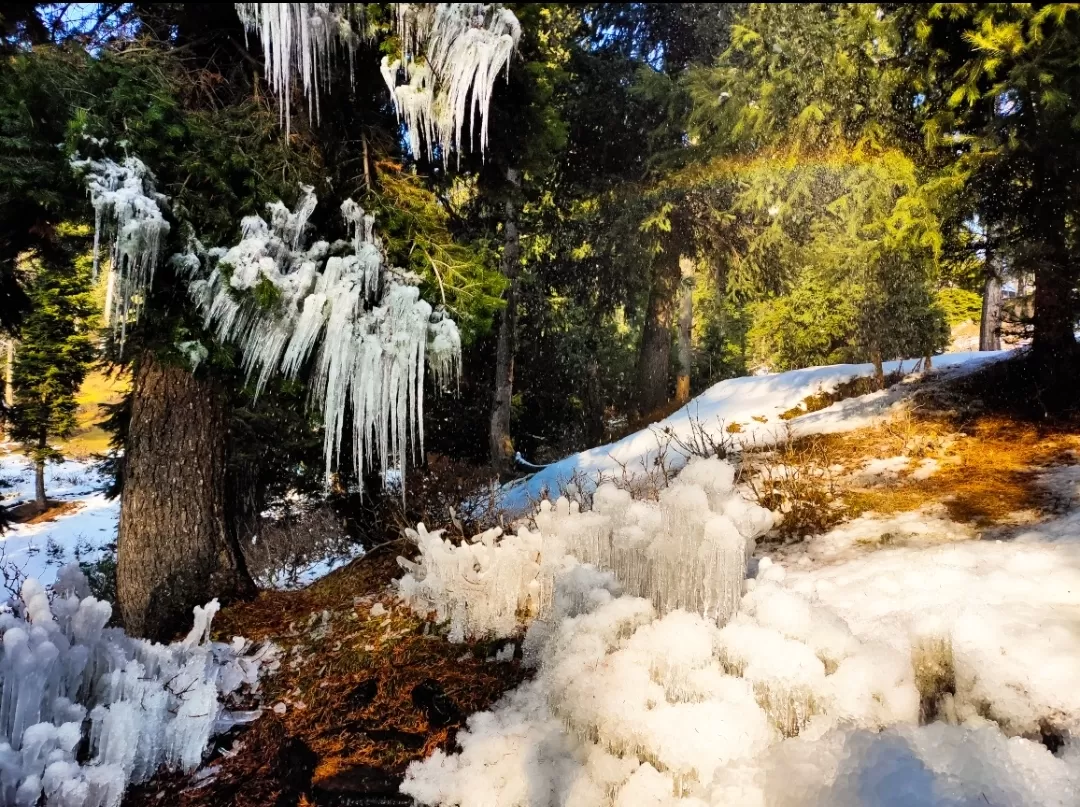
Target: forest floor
(366, 686)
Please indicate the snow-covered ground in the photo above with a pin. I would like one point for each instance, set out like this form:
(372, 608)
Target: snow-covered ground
(83, 533)
(754, 402)
(893, 661)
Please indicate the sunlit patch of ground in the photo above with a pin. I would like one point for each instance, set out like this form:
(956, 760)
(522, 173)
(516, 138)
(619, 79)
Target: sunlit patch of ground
(98, 390)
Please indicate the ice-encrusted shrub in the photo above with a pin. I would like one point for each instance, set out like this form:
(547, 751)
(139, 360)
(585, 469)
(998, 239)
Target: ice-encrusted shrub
(687, 551)
(67, 680)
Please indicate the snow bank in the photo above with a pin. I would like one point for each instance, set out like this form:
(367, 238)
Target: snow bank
(66, 680)
(735, 400)
(688, 551)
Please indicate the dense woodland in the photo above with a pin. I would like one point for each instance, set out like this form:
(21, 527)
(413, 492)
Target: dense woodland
(663, 196)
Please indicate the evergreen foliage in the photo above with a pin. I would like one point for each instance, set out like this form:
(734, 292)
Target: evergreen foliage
(56, 348)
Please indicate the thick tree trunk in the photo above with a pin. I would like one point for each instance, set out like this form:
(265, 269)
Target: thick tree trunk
(654, 355)
(686, 325)
(500, 444)
(39, 474)
(176, 546)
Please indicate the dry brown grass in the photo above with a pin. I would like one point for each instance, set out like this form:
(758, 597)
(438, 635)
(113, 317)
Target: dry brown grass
(348, 681)
(987, 475)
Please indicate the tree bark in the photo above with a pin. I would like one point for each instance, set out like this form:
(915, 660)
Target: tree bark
(654, 355)
(879, 366)
(686, 325)
(500, 443)
(39, 474)
(990, 320)
(176, 544)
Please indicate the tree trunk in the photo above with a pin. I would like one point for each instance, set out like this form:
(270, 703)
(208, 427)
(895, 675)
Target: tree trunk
(686, 324)
(654, 355)
(176, 546)
(879, 366)
(500, 444)
(9, 374)
(990, 320)
(39, 474)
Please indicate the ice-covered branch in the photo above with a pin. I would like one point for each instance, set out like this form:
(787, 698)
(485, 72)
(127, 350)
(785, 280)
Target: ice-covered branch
(364, 323)
(451, 55)
(127, 206)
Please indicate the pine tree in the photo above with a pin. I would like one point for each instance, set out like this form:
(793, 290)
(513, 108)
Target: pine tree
(56, 347)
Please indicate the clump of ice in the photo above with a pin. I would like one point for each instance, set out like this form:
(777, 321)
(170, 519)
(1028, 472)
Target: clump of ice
(817, 692)
(688, 551)
(340, 307)
(66, 679)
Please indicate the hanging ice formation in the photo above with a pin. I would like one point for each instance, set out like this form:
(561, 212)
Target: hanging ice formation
(365, 323)
(300, 38)
(127, 207)
(66, 680)
(451, 55)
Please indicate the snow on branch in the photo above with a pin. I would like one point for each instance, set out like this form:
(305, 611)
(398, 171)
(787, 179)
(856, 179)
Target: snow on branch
(127, 206)
(364, 323)
(451, 55)
(67, 680)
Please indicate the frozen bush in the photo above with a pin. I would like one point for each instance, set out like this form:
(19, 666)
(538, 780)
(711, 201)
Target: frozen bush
(66, 678)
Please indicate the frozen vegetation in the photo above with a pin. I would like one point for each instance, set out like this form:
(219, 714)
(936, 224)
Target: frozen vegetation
(891, 661)
(365, 324)
(450, 58)
(67, 681)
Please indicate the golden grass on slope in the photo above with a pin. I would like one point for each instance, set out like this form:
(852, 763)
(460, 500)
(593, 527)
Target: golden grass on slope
(99, 388)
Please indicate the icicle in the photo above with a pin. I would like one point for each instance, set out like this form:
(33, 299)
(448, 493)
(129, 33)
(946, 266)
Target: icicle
(452, 54)
(126, 203)
(373, 332)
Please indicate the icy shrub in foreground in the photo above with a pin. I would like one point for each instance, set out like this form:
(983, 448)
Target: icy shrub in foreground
(781, 706)
(688, 551)
(66, 680)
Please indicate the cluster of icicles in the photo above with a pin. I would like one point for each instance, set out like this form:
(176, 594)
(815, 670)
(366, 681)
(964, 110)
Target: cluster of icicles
(687, 551)
(451, 56)
(127, 207)
(373, 332)
(70, 686)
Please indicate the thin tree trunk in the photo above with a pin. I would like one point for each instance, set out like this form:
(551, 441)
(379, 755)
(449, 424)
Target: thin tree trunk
(500, 444)
(686, 324)
(176, 544)
(654, 355)
(9, 374)
(990, 321)
(879, 366)
(39, 474)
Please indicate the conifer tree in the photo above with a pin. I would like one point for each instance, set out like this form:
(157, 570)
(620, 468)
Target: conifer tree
(56, 347)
